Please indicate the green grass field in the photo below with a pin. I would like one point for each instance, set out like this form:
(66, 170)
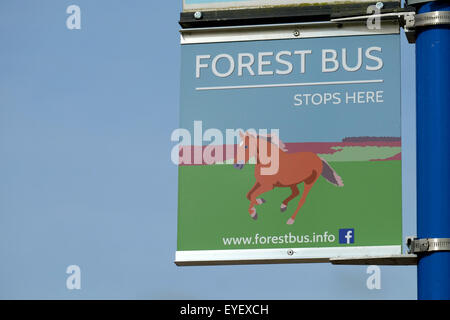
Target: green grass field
(212, 205)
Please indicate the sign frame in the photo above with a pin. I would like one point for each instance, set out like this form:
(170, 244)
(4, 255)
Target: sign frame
(283, 255)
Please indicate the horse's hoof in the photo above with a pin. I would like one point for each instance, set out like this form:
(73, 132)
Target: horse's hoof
(253, 214)
(290, 221)
(283, 208)
(260, 201)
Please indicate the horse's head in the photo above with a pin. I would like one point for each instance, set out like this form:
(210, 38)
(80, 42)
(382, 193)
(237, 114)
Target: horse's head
(263, 149)
(246, 149)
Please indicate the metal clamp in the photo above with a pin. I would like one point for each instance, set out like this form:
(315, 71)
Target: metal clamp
(427, 245)
(413, 22)
(433, 18)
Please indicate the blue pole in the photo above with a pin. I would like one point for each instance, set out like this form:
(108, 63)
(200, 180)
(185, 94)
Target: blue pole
(433, 152)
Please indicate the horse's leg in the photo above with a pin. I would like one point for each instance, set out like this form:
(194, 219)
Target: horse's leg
(254, 200)
(308, 185)
(252, 190)
(251, 209)
(258, 200)
(295, 193)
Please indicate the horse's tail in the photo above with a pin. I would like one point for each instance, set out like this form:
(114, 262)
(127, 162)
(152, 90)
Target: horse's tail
(330, 175)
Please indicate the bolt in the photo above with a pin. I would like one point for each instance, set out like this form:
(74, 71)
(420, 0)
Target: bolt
(290, 252)
(198, 15)
(379, 5)
(296, 33)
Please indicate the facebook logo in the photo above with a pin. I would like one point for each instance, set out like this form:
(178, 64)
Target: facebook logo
(346, 236)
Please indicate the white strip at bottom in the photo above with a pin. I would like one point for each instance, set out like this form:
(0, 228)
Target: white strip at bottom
(287, 255)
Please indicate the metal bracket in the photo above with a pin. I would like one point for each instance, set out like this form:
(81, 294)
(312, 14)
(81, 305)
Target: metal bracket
(390, 260)
(409, 20)
(405, 18)
(427, 245)
(296, 13)
(390, 15)
(414, 2)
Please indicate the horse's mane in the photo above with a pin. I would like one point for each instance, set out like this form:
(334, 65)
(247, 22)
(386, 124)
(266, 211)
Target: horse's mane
(272, 138)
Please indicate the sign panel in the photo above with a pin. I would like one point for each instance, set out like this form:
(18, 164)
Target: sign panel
(289, 150)
(191, 5)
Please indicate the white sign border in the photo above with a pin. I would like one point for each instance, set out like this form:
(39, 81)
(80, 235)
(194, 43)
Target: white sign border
(284, 255)
(283, 31)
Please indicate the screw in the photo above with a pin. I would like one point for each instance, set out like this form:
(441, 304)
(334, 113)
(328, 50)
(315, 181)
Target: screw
(198, 15)
(296, 33)
(290, 252)
(379, 5)
(425, 246)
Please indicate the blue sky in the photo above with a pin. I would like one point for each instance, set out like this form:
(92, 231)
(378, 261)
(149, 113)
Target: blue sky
(86, 178)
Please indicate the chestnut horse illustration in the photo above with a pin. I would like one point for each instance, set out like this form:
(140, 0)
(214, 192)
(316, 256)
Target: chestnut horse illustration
(291, 170)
